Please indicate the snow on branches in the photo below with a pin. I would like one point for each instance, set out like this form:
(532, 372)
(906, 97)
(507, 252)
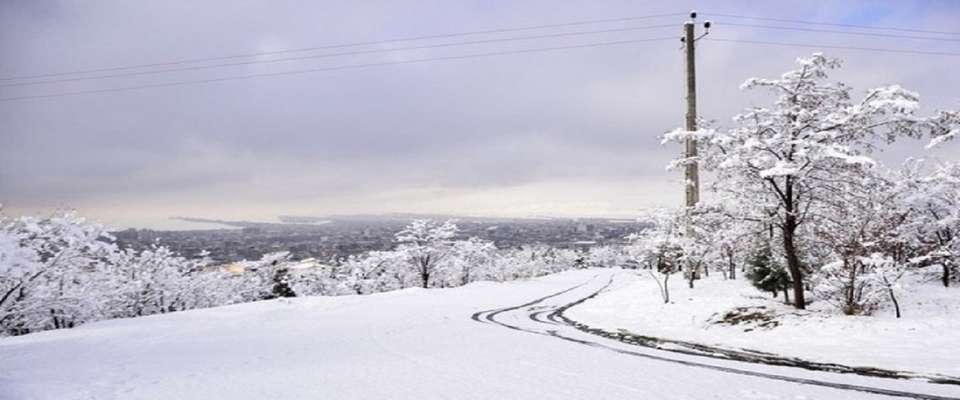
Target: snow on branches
(795, 163)
(48, 266)
(662, 250)
(425, 244)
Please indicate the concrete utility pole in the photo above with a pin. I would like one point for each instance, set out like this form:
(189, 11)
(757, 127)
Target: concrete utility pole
(691, 173)
(692, 170)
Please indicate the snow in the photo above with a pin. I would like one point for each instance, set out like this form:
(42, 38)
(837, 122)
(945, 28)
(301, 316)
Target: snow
(780, 169)
(679, 135)
(406, 344)
(836, 152)
(894, 97)
(924, 340)
(936, 141)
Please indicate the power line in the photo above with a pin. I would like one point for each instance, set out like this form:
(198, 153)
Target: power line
(795, 21)
(342, 67)
(875, 34)
(827, 46)
(358, 52)
(344, 45)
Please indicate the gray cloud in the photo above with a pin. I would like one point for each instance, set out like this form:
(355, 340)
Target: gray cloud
(571, 132)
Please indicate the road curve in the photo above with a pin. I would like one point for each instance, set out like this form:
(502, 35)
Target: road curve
(543, 316)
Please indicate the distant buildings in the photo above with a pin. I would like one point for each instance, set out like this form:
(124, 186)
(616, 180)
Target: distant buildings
(334, 238)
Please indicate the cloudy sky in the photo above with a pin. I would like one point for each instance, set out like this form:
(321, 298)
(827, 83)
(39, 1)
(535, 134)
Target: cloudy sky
(560, 133)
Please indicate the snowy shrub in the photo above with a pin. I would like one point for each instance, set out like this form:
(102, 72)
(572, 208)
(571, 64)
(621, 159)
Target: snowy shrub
(469, 261)
(49, 279)
(661, 250)
(935, 222)
(374, 272)
(266, 278)
(153, 281)
(605, 257)
(861, 285)
(310, 278)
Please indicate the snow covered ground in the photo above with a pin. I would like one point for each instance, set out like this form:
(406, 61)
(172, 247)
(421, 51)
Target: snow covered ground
(924, 340)
(408, 344)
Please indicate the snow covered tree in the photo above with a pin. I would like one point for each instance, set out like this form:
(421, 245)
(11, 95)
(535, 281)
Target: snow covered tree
(265, 278)
(425, 244)
(529, 261)
(469, 260)
(718, 237)
(516, 263)
(559, 259)
(660, 250)
(152, 281)
(886, 276)
(861, 221)
(859, 286)
(373, 272)
(281, 284)
(780, 160)
(311, 278)
(605, 257)
(934, 199)
(47, 268)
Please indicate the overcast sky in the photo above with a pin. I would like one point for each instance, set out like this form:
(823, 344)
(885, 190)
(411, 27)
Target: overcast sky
(563, 133)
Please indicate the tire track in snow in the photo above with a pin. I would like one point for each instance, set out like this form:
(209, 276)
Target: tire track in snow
(555, 317)
(487, 316)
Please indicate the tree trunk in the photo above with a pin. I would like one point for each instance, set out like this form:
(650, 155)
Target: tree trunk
(851, 307)
(793, 260)
(732, 267)
(896, 304)
(945, 278)
(424, 264)
(666, 289)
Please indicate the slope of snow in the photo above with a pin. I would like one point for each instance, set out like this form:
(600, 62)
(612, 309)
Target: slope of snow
(408, 344)
(924, 340)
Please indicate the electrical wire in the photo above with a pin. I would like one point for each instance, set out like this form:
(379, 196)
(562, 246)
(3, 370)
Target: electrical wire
(338, 68)
(827, 46)
(477, 55)
(328, 55)
(874, 34)
(802, 22)
(344, 45)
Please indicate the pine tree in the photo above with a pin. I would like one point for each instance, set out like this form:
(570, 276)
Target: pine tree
(768, 275)
(281, 284)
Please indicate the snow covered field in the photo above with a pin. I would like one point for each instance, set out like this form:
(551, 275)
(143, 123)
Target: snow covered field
(408, 344)
(924, 340)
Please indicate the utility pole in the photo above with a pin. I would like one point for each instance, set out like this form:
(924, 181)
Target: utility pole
(691, 173)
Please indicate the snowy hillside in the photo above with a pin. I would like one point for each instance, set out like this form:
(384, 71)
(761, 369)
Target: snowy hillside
(916, 342)
(407, 344)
